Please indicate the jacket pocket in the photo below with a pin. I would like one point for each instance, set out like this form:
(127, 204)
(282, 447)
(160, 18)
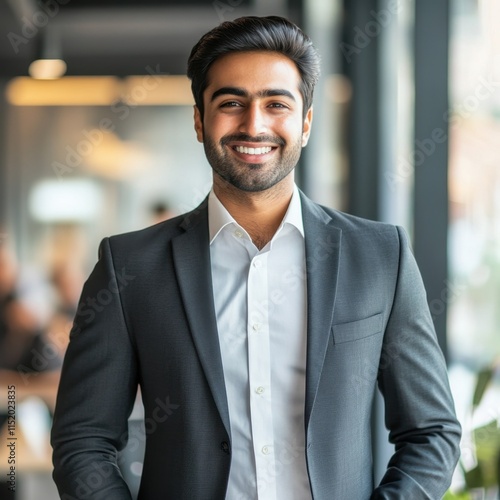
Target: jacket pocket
(359, 329)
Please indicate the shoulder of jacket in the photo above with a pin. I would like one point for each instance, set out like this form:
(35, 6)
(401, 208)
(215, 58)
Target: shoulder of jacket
(349, 223)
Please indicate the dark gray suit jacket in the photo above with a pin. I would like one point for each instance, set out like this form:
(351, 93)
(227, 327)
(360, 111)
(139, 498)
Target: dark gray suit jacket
(147, 317)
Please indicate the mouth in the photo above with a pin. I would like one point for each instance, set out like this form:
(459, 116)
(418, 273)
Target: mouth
(253, 153)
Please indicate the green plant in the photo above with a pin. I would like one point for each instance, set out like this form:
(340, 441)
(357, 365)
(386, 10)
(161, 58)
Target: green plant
(464, 495)
(486, 439)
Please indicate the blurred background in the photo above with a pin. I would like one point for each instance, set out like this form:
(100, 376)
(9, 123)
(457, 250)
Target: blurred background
(96, 138)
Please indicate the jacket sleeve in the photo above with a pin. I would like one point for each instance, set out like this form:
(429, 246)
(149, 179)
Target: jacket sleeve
(419, 409)
(97, 389)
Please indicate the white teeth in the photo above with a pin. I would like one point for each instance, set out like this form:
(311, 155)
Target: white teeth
(253, 151)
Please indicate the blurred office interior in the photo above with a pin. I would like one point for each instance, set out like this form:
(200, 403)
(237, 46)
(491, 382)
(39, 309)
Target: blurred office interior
(96, 138)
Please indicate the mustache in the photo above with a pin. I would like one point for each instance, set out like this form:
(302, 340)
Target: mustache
(248, 138)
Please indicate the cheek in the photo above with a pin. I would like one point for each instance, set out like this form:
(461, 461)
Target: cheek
(217, 127)
(291, 129)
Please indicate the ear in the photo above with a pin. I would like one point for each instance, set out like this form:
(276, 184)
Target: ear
(198, 124)
(306, 128)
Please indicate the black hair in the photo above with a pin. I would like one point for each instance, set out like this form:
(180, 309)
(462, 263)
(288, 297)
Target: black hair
(251, 33)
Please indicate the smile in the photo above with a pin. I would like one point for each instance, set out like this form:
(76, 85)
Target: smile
(253, 151)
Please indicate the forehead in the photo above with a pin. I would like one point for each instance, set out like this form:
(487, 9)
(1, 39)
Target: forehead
(254, 71)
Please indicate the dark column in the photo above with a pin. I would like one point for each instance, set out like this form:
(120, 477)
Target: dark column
(431, 155)
(360, 48)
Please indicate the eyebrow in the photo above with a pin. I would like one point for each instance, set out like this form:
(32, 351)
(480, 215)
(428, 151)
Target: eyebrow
(237, 91)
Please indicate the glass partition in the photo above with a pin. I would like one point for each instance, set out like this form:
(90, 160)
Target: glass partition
(474, 242)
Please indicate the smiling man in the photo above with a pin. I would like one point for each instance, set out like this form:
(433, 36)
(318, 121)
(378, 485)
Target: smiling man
(260, 325)
(253, 130)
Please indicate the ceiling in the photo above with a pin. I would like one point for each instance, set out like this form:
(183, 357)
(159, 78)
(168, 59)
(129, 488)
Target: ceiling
(111, 37)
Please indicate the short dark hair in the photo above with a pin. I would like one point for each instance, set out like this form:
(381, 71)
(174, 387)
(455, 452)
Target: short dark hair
(252, 33)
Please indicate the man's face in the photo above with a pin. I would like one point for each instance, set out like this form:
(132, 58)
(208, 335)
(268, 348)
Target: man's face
(253, 127)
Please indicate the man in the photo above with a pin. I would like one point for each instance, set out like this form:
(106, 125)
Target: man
(259, 325)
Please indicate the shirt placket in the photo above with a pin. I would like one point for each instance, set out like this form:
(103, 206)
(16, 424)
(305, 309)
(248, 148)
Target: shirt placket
(259, 371)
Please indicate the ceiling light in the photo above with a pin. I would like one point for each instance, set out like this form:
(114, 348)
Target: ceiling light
(74, 200)
(49, 65)
(47, 69)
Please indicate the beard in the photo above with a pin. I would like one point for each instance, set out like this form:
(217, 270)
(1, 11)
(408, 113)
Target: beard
(252, 177)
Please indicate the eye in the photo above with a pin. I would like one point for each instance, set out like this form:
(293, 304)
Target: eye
(230, 104)
(278, 105)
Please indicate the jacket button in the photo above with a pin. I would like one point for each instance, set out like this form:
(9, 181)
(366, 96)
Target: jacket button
(224, 446)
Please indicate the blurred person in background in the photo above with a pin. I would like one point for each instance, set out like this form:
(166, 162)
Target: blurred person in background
(160, 211)
(259, 325)
(29, 362)
(67, 279)
(27, 359)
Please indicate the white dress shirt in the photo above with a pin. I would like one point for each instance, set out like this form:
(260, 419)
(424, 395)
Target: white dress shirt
(260, 305)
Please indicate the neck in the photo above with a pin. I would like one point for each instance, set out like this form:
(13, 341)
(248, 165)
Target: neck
(261, 213)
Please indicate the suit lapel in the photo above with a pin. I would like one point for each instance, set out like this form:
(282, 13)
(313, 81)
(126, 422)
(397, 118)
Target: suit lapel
(322, 242)
(192, 264)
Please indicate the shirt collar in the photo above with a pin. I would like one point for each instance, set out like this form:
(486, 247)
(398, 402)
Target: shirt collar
(219, 217)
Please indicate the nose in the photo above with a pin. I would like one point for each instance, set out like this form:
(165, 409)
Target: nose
(253, 120)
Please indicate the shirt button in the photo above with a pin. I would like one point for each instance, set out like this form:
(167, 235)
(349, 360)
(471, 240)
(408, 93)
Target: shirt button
(257, 263)
(259, 390)
(256, 327)
(266, 450)
(238, 233)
